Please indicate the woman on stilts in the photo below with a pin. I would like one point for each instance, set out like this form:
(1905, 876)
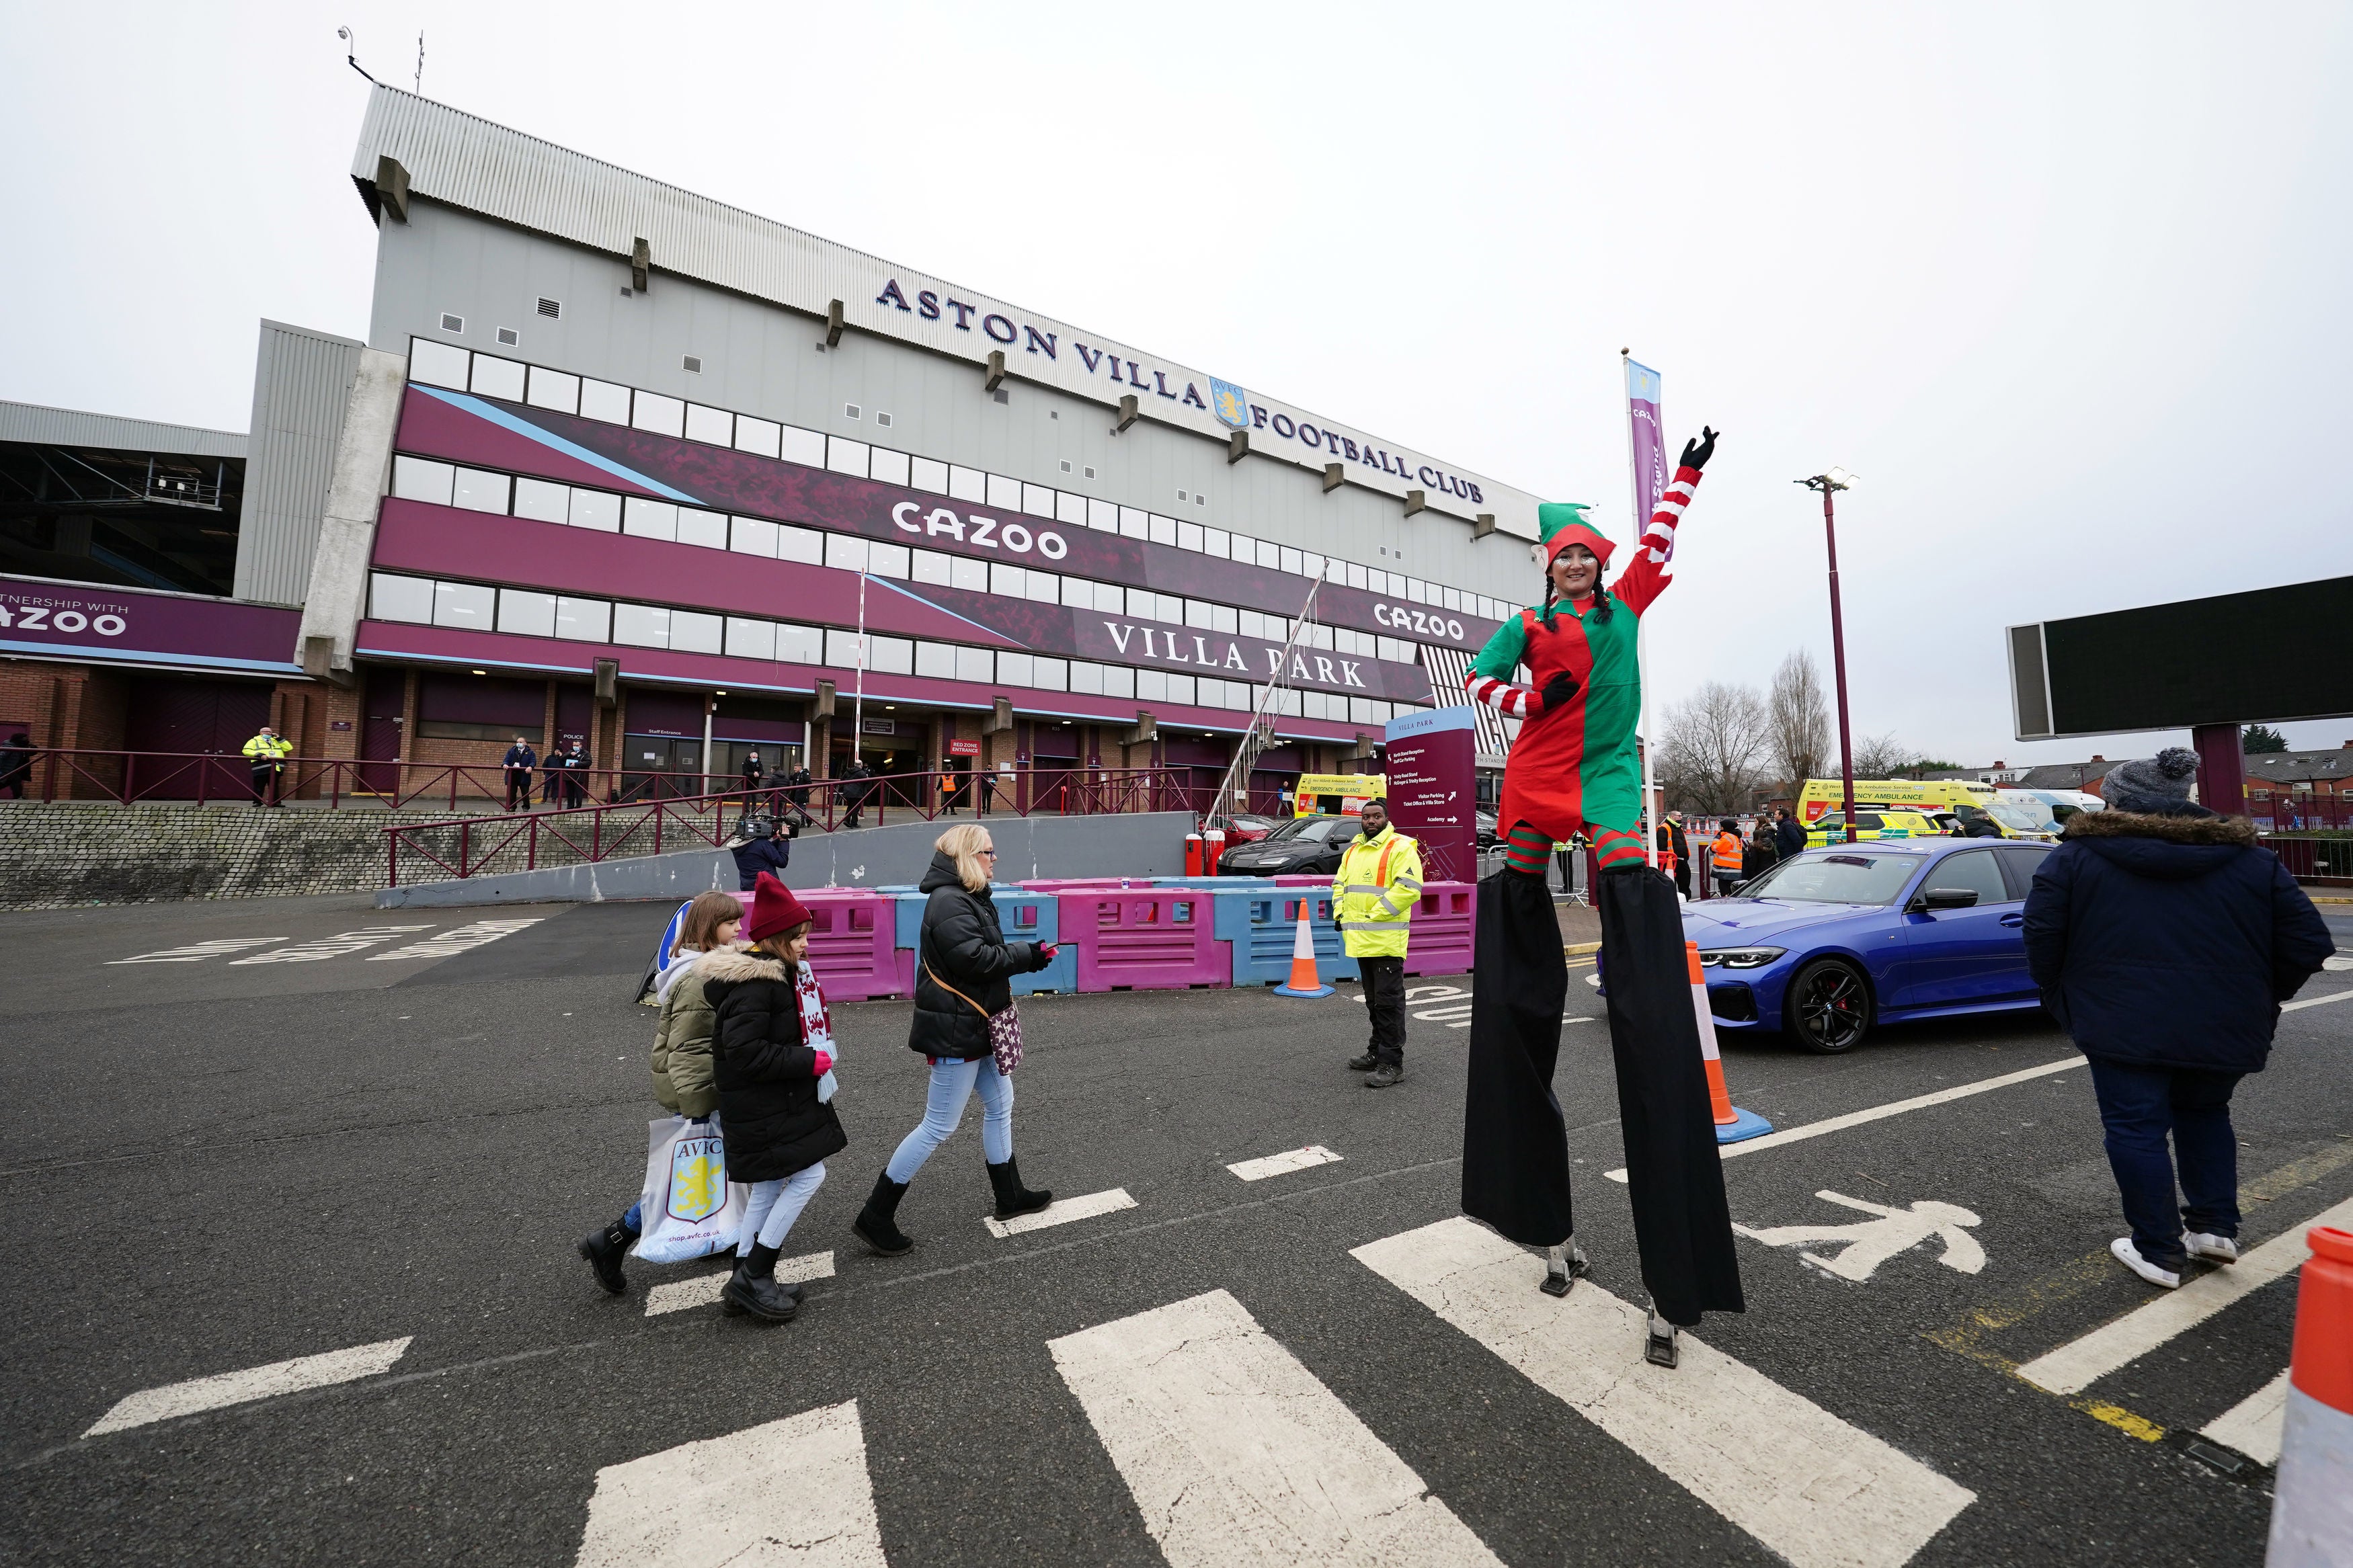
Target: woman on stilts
(1574, 768)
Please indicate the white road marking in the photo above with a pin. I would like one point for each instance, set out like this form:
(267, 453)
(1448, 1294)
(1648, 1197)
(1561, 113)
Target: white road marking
(703, 1290)
(331, 946)
(175, 1399)
(1282, 1164)
(1061, 1211)
(2079, 1363)
(1434, 993)
(1809, 1486)
(450, 943)
(794, 1491)
(1236, 1454)
(1864, 1246)
(197, 952)
(1880, 1113)
(2316, 1001)
(2253, 1425)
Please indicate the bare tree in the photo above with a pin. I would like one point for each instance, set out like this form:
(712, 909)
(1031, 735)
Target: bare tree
(1712, 747)
(1881, 756)
(1801, 720)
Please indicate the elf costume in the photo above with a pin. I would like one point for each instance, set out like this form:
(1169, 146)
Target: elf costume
(1574, 767)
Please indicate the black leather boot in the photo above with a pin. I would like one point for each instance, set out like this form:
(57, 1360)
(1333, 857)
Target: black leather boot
(753, 1288)
(1012, 1197)
(877, 1223)
(604, 1250)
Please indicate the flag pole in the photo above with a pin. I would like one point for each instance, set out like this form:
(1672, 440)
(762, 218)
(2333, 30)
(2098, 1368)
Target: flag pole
(1641, 630)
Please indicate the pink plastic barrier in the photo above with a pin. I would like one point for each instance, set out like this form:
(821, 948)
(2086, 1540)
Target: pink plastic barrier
(851, 945)
(1145, 939)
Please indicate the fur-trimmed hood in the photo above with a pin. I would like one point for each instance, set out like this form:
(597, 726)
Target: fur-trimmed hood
(2164, 848)
(736, 964)
(2207, 828)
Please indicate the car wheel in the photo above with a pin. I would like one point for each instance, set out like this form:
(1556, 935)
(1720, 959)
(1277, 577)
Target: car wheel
(1827, 1009)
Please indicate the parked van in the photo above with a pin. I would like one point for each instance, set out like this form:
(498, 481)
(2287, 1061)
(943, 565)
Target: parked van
(1936, 798)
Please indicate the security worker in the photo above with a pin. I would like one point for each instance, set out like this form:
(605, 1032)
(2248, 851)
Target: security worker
(1372, 899)
(1726, 857)
(266, 756)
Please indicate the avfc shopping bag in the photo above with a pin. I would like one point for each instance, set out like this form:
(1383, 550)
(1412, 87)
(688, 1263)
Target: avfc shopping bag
(688, 1208)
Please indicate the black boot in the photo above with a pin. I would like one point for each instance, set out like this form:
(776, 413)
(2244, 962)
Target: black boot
(1365, 1063)
(604, 1249)
(1012, 1197)
(753, 1288)
(877, 1222)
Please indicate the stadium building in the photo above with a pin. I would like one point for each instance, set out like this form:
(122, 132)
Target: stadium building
(622, 465)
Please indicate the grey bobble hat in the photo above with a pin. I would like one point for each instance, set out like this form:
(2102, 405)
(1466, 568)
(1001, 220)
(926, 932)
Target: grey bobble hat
(2158, 785)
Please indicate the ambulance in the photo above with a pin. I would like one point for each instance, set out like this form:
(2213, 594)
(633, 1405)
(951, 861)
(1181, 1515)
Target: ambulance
(1955, 804)
(1345, 793)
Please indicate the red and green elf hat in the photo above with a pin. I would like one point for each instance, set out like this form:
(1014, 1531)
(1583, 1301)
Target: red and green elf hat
(1561, 523)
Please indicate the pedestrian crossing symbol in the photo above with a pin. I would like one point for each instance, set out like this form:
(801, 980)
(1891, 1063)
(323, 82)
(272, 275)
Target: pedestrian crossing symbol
(698, 1178)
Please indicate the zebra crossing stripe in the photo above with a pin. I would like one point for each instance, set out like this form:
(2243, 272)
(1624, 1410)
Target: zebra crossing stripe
(1821, 1493)
(794, 1491)
(1061, 1211)
(175, 1399)
(1282, 1164)
(2254, 1425)
(450, 943)
(703, 1290)
(1237, 1455)
(2079, 1363)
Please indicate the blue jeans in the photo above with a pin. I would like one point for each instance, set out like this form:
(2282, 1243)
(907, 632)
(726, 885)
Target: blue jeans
(952, 1084)
(2139, 1106)
(775, 1207)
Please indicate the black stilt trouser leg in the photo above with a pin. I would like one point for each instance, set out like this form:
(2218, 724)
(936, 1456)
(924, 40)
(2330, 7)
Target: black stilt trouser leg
(1384, 981)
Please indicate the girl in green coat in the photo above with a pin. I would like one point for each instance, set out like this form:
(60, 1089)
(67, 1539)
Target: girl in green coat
(682, 1058)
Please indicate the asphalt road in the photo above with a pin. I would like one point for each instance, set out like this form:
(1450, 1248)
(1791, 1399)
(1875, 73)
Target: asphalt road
(225, 1164)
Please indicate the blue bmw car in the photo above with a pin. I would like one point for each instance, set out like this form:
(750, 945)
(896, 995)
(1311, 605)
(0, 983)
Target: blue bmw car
(1834, 941)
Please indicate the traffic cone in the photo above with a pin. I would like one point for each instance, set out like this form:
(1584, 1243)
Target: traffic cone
(1304, 984)
(2311, 1496)
(1732, 1125)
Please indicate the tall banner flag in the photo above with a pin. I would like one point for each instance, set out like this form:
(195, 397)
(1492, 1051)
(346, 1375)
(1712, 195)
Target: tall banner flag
(1647, 437)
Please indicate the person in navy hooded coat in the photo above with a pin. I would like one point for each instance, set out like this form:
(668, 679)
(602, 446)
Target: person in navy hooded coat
(2164, 939)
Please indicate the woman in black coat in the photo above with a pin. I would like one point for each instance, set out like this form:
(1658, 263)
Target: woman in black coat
(964, 978)
(772, 1050)
(2164, 939)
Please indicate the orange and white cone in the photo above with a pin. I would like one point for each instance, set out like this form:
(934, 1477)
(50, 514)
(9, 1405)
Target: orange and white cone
(1732, 1125)
(1304, 984)
(2312, 1500)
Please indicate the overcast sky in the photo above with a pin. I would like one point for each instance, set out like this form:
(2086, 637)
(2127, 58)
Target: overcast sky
(2065, 285)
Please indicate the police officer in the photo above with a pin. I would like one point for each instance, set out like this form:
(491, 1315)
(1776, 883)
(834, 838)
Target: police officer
(1372, 897)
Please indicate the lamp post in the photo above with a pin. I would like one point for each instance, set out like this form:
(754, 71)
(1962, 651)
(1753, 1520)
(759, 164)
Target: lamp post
(1830, 484)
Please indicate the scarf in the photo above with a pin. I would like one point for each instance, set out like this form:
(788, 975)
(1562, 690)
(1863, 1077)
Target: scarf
(817, 1025)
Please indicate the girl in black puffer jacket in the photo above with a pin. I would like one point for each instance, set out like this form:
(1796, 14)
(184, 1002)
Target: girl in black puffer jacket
(771, 1054)
(963, 976)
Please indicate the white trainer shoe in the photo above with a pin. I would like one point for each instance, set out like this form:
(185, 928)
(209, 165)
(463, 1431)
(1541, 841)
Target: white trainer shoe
(2215, 1248)
(2129, 1256)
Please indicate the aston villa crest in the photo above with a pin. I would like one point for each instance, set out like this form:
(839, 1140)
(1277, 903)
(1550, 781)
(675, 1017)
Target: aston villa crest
(1231, 402)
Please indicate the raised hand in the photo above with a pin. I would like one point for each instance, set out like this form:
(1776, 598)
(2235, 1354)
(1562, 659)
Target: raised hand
(1697, 453)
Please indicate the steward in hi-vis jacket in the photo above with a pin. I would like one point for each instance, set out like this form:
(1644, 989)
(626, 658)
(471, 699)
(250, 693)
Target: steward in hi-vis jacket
(1373, 896)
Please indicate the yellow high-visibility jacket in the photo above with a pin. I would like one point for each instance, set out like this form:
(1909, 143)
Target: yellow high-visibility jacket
(1374, 893)
(262, 749)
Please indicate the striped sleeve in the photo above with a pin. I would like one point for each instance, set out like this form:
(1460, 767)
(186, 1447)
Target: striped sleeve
(1490, 681)
(1647, 578)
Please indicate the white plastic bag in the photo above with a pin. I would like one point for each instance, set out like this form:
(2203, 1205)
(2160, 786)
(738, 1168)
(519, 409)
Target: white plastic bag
(688, 1208)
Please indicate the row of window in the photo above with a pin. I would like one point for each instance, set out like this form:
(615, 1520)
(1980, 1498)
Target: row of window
(479, 490)
(476, 606)
(445, 364)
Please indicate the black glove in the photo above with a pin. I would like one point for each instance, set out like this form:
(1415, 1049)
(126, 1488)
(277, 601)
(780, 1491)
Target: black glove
(1697, 453)
(1558, 691)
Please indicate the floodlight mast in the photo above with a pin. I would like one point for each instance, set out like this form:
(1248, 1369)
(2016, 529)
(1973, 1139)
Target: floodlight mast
(1830, 484)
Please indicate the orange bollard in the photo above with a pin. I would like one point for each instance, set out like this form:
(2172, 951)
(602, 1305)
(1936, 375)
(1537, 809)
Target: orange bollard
(1305, 982)
(2312, 1500)
(1732, 1125)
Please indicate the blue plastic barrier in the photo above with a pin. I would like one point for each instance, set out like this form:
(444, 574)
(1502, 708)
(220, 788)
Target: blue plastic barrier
(1025, 916)
(1262, 924)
